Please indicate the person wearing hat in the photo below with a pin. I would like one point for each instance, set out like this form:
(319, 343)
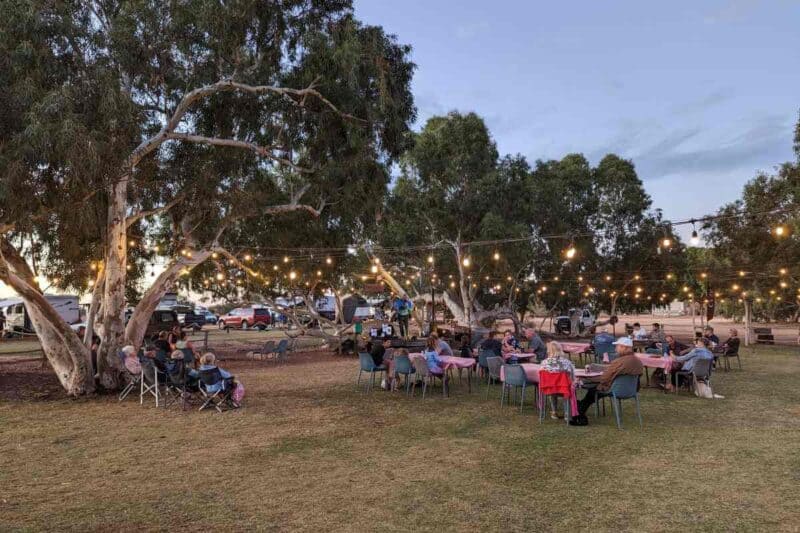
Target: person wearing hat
(626, 364)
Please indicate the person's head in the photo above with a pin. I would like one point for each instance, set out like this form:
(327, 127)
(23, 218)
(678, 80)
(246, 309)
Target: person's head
(402, 351)
(636, 325)
(708, 330)
(624, 346)
(176, 354)
(701, 342)
(435, 336)
(656, 326)
(129, 351)
(208, 359)
(430, 344)
(733, 332)
(182, 336)
(670, 339)
(387, 342)
(81, 331)
(554, 350)
(530, 332)
(507, 334)
(162, 335)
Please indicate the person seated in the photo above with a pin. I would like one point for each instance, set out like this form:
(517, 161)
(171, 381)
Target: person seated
(442, 346)
(556, 362)
(174, 337)
(434, 362)
(130, 360)
(207, 362)
(657, 334)
(626, 364)
(192, 375)
(731, 346)
(688, 360)
(466, 347)
(708, 333)
(536, 344)
(510, 344)
(493, 344)
(604, 337)
(672, 346)
(639, 332)
(162, 343)
(381, 353)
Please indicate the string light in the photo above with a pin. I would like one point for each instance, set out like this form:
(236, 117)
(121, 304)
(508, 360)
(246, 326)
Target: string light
(666, 243)
(374, 269)
(214, 255)
(570, 252)
(220, 276)
(285, 258)
(780, 231)
(248, 257)
(430, 259)
(466, 262)
(292, 275)
(131, 243)
(496, 256)
(328, 261)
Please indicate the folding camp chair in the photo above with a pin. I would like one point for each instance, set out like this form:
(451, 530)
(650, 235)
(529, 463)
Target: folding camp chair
(215, 390)
(149, 382)
(133, 380)
(179, 386)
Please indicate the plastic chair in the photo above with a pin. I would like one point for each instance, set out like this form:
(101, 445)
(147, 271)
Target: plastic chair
(494, 364)
(603, 348)
(423, 373)
(624, 388)
(403, 366)
(726, 359)
(368, 365)
(516, 378)
(561, 382)
(700, 372)
(267, 349)
(483, 364)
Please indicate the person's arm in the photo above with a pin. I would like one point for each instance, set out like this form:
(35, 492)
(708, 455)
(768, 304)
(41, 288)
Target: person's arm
(686, 357)
(610, 373)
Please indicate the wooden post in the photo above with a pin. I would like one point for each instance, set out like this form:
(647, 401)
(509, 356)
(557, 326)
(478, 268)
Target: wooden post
(747, 318)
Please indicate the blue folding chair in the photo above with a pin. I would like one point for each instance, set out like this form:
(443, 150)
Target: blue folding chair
(369, 366)
(604, 348)
(515, 377)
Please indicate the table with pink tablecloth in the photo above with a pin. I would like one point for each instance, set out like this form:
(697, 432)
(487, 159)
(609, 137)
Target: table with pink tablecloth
(575, 347)
(655, 361)
(453, 362)
(532, 372)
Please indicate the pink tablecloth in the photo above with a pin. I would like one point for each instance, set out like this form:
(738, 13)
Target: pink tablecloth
(532, 372)
(656, 361)
(575, 347)
(449, 361)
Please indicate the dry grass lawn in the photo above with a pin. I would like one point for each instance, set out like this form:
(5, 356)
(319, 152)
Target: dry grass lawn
(308, 452)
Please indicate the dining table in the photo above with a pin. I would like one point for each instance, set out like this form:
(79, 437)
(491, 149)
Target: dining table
(451, 361)
(655, 361)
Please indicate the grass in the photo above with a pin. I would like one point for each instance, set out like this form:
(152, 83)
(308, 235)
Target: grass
(308, 452)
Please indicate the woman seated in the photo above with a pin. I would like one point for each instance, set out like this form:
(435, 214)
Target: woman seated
(556, 361)
(434, 362)
(510, 344)
(131, 360)
(688, 361)
(207, 363)
(184, 344)
(731, 345)
(192, 375)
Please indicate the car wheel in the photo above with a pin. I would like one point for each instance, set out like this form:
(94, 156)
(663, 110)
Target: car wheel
(244, 324)
(260, 327)
(221, 324)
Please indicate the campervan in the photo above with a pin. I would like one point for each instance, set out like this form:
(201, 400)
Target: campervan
(18, 320)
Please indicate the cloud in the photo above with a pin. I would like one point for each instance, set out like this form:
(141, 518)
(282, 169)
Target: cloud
(703, 104)
(764, 143)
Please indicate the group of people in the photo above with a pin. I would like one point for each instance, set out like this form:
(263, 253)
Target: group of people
(510, 345)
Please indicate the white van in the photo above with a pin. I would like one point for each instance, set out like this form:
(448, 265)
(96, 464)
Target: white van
(17, 318)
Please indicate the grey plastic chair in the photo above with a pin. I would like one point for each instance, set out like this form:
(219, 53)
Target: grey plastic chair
(494, 364)
(403, 367)
(701, 371)
(423, 374)
(624, 388)
(366, 364)
(267, 349)
(515, 378)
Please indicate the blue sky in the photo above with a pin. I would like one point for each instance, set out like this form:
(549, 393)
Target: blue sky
(699, 94)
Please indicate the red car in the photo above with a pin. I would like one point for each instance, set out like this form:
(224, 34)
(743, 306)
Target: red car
(246, 317)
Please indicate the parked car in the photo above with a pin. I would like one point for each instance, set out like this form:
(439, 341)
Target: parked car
(161, 320)
(246, 317)
(194, 320)
(211, 318)
(586, 321)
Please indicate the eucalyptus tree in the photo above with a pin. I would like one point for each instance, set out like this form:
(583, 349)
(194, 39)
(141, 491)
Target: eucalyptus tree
(108, 96)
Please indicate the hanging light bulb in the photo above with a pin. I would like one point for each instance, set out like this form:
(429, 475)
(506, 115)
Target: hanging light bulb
(374, 269)
(292, 275)
(328, 261)
(275, 267)
(666, 242)
(570, 252)
(783, 271)
(285, 258)
(214, 255)
(156, 248)
(780, 231)
(248, 257)
(131, 243)
(496, 256)
(695, 240)
(430, 259)
(466, 262)
(220, 276)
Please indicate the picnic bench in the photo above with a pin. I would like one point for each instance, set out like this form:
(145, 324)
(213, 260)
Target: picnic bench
(764, 336)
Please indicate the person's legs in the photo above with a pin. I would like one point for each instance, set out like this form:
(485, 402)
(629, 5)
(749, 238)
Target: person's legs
(587, 401)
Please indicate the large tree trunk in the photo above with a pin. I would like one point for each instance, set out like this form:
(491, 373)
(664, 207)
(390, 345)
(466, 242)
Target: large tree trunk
(69, 358)
(91, 316)
(137, 325)
(116, 261)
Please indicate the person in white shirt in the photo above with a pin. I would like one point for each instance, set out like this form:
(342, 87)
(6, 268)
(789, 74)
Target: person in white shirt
(639, 333)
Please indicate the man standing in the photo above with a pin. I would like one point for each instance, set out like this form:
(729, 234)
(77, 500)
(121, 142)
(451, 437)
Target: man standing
(403, 307)
(574, 323)
(626, 364)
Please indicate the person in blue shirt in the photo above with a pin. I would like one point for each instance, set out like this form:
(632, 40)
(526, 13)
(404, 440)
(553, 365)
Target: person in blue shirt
(688, 361)
(434, 362)
(207, 363)
(403, 307)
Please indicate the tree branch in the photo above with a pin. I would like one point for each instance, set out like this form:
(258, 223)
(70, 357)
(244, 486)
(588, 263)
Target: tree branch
(131, 220)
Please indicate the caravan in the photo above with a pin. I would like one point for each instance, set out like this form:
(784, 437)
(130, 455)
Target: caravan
(18, 320)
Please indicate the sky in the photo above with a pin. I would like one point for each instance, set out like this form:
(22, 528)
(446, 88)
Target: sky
(701, 95)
